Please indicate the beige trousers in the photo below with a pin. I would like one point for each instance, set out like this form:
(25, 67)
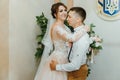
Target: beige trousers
(80, 74)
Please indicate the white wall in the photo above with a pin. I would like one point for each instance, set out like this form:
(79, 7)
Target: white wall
(22, 37)
(107, 64)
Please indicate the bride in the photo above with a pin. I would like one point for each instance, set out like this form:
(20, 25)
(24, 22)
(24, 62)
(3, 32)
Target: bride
(55, 39)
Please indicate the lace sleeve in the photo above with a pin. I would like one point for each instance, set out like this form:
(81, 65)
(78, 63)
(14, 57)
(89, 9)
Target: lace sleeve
(70, 37)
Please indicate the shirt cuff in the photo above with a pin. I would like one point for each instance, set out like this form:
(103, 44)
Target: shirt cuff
(58, 67)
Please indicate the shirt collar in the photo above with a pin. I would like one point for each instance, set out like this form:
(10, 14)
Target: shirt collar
(78, 28)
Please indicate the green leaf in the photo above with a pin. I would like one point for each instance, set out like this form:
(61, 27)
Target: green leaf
(39, 38)
(39, 52)
(92, 25)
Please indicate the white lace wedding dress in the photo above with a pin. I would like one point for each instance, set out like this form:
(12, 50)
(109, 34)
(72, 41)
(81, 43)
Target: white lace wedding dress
(59, 54)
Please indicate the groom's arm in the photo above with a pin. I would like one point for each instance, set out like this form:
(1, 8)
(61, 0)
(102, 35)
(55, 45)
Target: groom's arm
(78, 59)
(75, 63)
(72, 66)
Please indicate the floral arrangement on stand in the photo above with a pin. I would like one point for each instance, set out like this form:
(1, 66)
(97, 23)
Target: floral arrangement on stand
(95, 46)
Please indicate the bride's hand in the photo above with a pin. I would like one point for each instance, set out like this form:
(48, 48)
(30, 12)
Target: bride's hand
(53, 65)
(87, 28)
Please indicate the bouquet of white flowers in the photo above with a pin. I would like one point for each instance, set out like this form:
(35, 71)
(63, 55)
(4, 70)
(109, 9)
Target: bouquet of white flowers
(96, 44)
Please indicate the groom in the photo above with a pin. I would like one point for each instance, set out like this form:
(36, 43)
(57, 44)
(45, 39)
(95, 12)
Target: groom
(76, 17)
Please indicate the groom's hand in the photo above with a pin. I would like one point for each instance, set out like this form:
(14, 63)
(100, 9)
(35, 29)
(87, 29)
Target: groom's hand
(53, 65)
(70, 44)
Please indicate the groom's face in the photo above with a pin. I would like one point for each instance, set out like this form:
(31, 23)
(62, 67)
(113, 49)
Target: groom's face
(72, 18)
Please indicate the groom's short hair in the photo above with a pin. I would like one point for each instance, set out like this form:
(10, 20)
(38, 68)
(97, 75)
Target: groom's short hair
(80, 11)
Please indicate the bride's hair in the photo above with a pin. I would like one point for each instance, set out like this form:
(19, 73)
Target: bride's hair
(55, 8)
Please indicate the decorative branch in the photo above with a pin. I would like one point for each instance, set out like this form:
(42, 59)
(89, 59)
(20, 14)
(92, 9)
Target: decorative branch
(42, 23)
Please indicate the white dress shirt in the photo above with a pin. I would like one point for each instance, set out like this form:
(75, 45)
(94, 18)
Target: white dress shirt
(78, 54)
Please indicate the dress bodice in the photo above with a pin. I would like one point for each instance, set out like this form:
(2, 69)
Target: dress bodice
(60, 46)
(58, 41)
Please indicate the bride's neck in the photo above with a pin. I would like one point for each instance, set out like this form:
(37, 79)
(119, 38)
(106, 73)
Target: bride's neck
(60, 22)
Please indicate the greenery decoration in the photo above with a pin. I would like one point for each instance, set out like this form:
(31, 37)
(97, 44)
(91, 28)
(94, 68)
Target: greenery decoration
(42, 23)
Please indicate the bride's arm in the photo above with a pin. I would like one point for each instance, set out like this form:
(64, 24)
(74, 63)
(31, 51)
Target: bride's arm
(70, 37)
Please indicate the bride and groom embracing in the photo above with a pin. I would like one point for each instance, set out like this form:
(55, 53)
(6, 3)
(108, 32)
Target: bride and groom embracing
(57, 65)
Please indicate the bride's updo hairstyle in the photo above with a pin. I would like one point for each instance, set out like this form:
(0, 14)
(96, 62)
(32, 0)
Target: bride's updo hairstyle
(55, 8)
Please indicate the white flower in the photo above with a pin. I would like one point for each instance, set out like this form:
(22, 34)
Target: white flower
(96, 39)
(91, 40)
(97, 44)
